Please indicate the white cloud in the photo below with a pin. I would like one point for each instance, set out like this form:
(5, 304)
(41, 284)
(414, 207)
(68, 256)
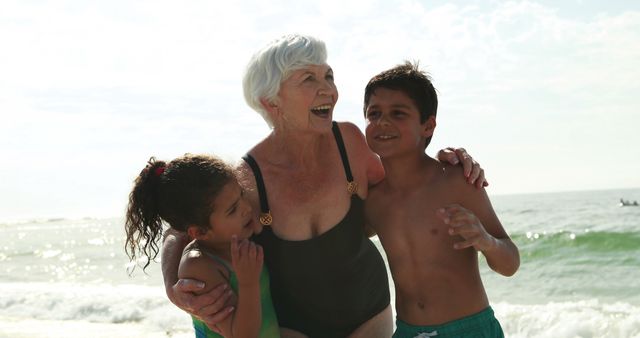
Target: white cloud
(527, 89)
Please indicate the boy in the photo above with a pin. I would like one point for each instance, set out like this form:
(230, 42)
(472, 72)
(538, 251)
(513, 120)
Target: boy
(430, 222)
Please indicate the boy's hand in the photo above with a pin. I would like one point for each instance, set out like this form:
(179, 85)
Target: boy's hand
(470, 168)
(464, 223)
(246, 259)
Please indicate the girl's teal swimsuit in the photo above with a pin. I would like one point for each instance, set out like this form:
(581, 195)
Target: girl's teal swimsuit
(329, 285)
(269, 328)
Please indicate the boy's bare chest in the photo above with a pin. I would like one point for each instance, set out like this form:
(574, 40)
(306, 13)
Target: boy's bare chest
(411, 215)
(397, 206)
(412, 234)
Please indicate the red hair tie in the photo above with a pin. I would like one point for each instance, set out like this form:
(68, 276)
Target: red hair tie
(159, 171)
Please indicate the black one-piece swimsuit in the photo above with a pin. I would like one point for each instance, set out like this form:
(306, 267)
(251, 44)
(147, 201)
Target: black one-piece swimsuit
(329, 285)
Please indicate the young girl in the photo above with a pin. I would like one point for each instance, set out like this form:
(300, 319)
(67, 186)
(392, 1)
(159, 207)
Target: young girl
(200, 195)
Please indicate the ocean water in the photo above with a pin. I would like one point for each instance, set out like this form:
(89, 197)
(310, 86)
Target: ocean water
(579, 274)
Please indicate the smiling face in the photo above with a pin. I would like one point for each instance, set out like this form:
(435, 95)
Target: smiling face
(232, 215)
(306, 99)
(393, 124)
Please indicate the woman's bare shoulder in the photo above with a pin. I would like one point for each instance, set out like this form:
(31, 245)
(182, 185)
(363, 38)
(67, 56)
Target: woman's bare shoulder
(354, 140)
(350, 129)
(360, 153)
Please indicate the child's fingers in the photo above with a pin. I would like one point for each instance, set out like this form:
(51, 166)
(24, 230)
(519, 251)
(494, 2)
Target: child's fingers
(251, 250)
(445, 213)
(442, 213)
(457, 217)
(464, 244)
(451, 208)
(240, 248)
(463, 230)
(462, 218)
(243, 248)
(234, 249)
(260, 256)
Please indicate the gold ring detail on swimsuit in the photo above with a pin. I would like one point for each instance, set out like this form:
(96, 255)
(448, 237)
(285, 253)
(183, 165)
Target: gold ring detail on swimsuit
(352, 187)
(265, 218)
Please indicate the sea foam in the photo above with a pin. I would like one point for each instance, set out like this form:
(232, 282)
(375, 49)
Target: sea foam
(588, 318)
(147, 307)
(93, 303)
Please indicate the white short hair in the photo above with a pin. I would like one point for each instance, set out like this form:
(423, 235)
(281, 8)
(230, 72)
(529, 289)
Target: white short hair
(271, 65)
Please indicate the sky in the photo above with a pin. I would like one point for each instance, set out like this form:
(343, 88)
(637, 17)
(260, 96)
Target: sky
(544, 94)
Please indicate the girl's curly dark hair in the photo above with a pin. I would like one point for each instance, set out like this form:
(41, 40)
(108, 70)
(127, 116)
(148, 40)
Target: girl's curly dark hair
(180, 193)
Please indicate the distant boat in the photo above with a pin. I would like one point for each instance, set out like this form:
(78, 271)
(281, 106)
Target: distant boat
(624, 203)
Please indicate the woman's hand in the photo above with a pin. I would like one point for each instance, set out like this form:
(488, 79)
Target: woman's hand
(210, 307)
(471, 168)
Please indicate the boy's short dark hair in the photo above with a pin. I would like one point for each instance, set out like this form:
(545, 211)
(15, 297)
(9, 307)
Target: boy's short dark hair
(409, 79)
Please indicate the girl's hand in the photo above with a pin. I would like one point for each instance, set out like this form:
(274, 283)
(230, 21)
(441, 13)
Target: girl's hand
(471, 168)
(464, 223)
(246, 259)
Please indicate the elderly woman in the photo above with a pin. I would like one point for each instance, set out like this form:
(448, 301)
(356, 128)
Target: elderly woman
(307, 181)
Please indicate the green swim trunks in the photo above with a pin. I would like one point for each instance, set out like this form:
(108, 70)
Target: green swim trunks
(480, 325)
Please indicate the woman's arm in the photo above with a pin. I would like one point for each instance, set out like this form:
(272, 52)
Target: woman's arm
(173, 244)
(360, 155)
(210, 306)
